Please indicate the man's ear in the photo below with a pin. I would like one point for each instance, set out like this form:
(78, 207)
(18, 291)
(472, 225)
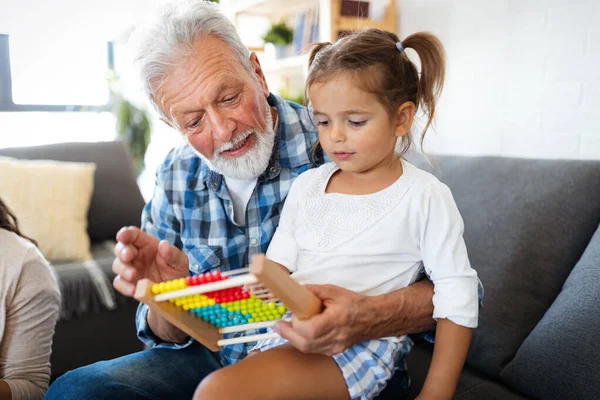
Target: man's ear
(255, 64)
(405, 115)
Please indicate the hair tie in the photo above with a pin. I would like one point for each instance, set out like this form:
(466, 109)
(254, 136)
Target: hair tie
(399, 47)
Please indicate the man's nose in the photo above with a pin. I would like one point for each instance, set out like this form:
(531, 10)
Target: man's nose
(222, 127)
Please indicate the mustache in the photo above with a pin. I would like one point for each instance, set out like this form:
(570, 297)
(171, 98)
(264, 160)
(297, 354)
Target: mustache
(234, 142)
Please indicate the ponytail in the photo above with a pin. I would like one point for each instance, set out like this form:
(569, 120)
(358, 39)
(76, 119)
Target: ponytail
(380, 65)
(433, 72)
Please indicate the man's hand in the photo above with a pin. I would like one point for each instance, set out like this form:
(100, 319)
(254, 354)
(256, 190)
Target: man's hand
(332, 331)
(139, 255)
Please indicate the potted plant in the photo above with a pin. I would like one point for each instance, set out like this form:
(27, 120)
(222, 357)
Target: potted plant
(132, 124)
(280, 36)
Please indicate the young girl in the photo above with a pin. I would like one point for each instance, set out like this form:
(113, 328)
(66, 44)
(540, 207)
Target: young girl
(370, 222)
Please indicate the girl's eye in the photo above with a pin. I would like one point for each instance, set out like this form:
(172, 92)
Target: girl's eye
(357, 123)
(322, 123)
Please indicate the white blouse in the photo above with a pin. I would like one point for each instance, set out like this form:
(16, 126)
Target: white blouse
(378, 243)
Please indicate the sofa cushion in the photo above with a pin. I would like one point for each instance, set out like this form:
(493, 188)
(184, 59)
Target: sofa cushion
(117, 200)
(472, 385)
(50, 200)
(559, 359)
(527, 222)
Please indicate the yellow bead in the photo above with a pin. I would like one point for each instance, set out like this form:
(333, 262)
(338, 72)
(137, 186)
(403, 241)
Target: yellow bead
(162, 287)
(281, 309)
(186, 307)
(250, 320)
(272, 305)
(155, 289)
(212, 302)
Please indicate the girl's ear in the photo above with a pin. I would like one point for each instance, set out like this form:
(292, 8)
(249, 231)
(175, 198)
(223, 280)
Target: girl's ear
(404, 117)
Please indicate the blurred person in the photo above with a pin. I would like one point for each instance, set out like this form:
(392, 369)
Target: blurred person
(29, 307)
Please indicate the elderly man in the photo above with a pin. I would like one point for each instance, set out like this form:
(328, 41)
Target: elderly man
(217, 203)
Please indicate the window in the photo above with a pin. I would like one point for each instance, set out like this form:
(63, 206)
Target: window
(39, 74)
(54, 90)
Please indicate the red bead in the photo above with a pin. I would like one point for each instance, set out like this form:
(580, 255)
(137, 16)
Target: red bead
(188, 280)
(195, 280)
(245, 295)
(217, 275)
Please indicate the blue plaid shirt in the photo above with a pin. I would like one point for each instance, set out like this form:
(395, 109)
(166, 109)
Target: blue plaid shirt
(192, 209)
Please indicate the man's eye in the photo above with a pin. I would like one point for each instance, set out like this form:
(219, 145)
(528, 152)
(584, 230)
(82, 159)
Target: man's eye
(194, 124)
(230, 99)
(357, 123)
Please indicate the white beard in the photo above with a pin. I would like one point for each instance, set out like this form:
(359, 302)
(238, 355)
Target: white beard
(251, 164)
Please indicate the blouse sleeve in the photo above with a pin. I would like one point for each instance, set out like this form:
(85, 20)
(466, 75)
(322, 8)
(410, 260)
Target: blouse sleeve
(30, 321)
(445, 257)
(283, 248)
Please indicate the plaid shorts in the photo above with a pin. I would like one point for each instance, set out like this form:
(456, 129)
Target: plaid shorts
(367, 366)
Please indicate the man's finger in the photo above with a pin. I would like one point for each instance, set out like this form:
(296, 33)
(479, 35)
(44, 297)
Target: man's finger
(124, 287)
(286, 331)
(125, 271)
(324, 292)
(125, 253)
(132, 235)
(172, 255)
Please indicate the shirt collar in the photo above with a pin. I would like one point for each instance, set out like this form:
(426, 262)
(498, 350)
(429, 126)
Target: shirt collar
(289, 125)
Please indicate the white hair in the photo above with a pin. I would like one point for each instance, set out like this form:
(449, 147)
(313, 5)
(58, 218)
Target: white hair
(165, 40)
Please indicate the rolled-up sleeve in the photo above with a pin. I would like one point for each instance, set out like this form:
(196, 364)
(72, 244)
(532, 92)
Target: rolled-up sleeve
(445, 258)
(159, 220)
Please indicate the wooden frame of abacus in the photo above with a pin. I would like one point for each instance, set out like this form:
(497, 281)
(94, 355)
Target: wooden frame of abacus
(301, 302)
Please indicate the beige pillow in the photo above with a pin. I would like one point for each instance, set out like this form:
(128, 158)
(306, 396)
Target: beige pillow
(50, 200)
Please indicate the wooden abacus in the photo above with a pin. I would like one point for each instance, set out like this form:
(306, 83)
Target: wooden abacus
(216, 303)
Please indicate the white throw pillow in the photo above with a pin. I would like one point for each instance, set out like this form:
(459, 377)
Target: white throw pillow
(50, 200)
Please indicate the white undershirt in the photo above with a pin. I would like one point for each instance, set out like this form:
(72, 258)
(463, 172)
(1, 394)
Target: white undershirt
(240, 191)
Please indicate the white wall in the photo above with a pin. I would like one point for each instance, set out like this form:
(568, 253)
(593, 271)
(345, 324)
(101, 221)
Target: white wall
(523, 76)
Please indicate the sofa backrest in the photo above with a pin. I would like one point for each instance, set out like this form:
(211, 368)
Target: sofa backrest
(117, 200)
(527, 223)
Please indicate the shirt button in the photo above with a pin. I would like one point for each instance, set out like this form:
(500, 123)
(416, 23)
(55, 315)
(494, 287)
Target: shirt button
(273, 169)
(253, 242)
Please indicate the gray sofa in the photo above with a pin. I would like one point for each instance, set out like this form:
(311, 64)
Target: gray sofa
(96, 323)
(531, 227)
(532, 232)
